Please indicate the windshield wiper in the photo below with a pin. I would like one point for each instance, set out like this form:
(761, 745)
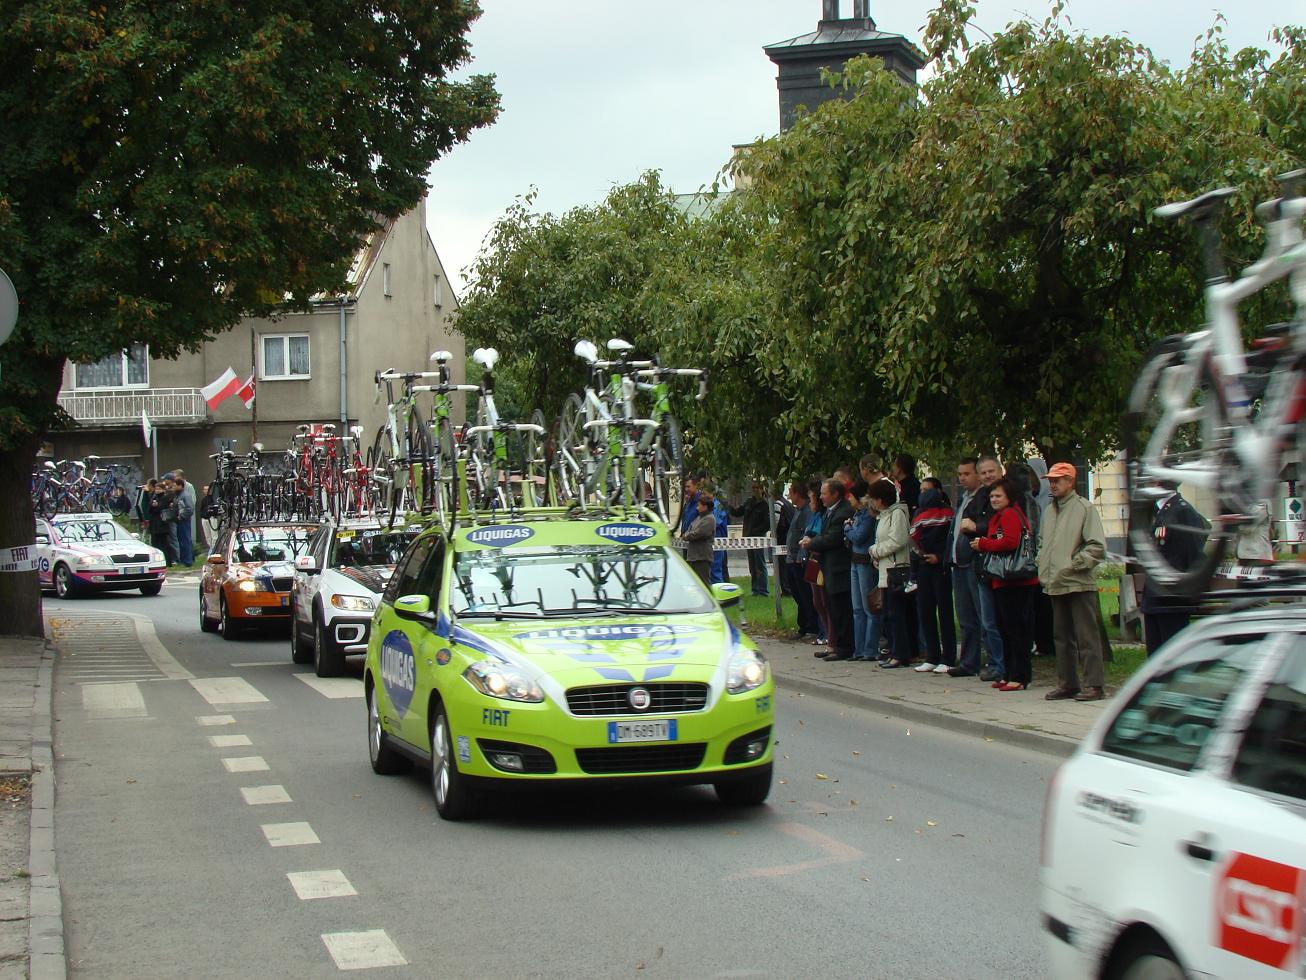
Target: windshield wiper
(498, 614)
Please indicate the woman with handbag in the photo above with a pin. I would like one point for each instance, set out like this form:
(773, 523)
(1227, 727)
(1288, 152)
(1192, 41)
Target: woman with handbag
(892, 556)
(1007, 555)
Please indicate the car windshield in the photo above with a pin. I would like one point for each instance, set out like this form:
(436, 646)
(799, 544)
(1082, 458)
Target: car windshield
(586, 580)
(272, 543)
(376, 547)
(88, 532)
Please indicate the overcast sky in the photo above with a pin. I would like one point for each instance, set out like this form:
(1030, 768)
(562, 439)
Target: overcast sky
(595, 92)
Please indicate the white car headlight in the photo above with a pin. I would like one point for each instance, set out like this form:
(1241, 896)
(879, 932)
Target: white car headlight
(355, 603)
(156, 558)
(247, 585)
(502, 681)
(747, 671)
(94, 561)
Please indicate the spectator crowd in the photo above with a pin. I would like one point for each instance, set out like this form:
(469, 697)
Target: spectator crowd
(886, 569)
(165, 509)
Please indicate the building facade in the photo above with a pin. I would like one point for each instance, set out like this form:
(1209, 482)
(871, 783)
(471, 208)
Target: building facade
(316, 366)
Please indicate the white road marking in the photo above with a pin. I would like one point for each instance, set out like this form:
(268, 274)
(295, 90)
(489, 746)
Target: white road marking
(362, 950)
(262, 663)
(228, 741)
(320, 884)
(259, 795)
(158, 653)
(226, 690)
(333, 687)
(114, 700)
(249, 763)
(289, 834)
(216, 719)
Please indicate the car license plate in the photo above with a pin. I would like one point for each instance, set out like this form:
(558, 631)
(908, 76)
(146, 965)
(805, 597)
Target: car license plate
(133, 570)
(285, 600)
(641, 731)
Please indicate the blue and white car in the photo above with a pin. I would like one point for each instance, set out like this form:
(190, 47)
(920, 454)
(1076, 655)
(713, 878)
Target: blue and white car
(81, 553)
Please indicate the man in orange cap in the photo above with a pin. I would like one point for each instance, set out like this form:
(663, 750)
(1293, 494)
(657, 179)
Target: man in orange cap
(1071, 545)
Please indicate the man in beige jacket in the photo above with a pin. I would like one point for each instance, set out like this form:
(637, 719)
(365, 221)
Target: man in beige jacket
(1071, 545)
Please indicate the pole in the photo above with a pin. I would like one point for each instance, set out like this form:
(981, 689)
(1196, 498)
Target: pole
(775, 561)
(253, 361)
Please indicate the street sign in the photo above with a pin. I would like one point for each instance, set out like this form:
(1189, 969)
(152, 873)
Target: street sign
(1294, 520)
(8, 307)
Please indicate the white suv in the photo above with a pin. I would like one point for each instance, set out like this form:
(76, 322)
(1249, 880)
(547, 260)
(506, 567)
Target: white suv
(336, 587)
(1174, 839)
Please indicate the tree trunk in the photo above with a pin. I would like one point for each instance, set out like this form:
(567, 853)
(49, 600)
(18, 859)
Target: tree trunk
(20, 595)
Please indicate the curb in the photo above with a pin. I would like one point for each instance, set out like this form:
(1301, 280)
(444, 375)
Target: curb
(1045, 742)
(45, 938)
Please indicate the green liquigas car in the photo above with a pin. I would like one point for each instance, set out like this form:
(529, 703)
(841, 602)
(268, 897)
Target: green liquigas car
(547, 650)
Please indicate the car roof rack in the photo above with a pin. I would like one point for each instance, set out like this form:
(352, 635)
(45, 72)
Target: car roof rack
(1251, 586)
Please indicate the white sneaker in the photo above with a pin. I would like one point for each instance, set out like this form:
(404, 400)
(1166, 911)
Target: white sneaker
(924, 668)
(942, 669)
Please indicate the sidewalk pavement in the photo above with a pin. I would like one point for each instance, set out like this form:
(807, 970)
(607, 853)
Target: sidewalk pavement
(31, 912)
(960, 704)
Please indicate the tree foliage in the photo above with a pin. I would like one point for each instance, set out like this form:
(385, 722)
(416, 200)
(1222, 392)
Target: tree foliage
(972, 265)
(169, 168)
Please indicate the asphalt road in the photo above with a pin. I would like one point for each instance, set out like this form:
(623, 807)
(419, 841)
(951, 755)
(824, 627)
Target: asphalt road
(884, 850)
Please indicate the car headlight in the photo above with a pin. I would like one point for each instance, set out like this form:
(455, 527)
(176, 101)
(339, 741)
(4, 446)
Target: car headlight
(94, 561)
(356, 603)
(502, 681)
(156, 558)
(747, 671)
(253, 585)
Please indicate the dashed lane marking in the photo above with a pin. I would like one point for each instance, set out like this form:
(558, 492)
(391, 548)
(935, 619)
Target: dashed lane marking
(249, 763)
(363, 950)
(289, 834)
(309, 885)
(216, 719)
(333, 687)
(262, 663)
(113, 701)
(226, 690)
(228, 741)
(260, 795)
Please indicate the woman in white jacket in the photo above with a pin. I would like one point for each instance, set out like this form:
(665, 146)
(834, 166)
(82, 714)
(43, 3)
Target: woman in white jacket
(892, 549)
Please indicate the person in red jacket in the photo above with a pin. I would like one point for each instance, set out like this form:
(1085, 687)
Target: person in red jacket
(1014, 599)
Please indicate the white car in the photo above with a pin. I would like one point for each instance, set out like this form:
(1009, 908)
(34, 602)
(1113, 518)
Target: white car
(336, 588)
(79, 553)
(1174, 839)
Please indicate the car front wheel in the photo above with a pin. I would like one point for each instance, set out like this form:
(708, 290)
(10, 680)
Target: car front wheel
(65, 586)
(299, 651)
(153, 588)
(748, 790)
(206, 625)
(328, 659)
(225, 626)
(454, 798)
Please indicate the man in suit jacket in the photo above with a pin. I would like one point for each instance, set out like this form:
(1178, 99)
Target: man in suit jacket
(836, 567)
(1180, 533)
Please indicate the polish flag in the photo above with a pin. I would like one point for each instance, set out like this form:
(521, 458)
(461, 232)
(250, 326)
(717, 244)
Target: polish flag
(222, 389)
(246, 392)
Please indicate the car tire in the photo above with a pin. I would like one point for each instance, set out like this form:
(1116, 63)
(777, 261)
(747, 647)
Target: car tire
(225, 626)
(1147, 959)
(299, 651)
(385, 760)
(749, 790)
(206, 625)
(454, 798)
(153, 588)
(328, 659)
(65, 586)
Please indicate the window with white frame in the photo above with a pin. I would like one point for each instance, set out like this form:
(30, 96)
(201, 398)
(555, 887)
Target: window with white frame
(128, 368)
(284, 357)
(437, 292)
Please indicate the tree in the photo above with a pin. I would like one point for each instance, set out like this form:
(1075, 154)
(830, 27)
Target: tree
(169, 168)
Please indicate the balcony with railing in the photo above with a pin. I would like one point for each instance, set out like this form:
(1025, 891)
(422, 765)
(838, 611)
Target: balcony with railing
(108, 408)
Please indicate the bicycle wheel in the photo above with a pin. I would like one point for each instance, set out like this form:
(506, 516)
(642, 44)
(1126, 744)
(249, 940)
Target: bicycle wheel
(382, 469)
(418, 450)
(444, 475)
(571, 449)
(1177, 435)
(535, 465)
(658, 477)
(674, 443)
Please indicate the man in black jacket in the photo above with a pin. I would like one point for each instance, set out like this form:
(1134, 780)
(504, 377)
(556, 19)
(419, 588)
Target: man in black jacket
(1180, 533)
(756, 515)
(836, 567)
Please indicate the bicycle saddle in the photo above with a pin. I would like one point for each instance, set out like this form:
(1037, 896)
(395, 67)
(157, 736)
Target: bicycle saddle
(486, 357)
(586, 349)
(1199, 207)
(620, 346)
(441, 356)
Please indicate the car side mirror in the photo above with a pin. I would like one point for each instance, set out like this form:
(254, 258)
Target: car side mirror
(414, 607)
(214, 560)
(726, 593)
(42, 539)
(308, 564)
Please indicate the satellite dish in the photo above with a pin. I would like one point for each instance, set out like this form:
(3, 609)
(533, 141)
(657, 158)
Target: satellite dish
(8, 307)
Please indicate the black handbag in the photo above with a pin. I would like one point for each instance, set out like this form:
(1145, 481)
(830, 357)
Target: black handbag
(900, 576)
(1013, 566)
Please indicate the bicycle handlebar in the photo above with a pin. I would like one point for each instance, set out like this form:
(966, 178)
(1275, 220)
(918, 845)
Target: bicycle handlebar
(623, 423)
(506, 426)
(445, 388)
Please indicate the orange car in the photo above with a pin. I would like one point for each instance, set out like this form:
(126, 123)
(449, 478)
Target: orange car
(248, 576)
